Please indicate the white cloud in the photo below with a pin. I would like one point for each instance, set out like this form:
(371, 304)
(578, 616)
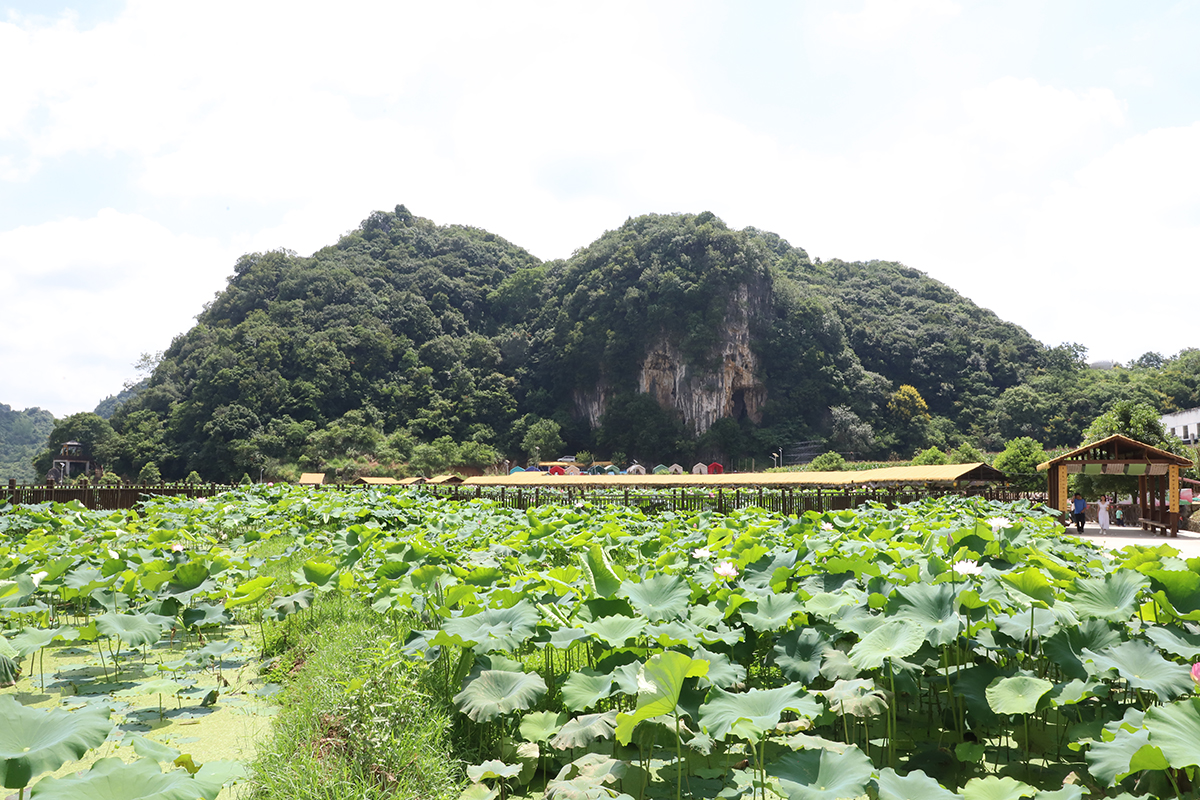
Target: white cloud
(885, 21)
(88, 296)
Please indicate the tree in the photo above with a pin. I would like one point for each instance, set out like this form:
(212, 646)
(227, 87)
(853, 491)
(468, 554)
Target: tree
(1019, 463)
(848, 433)
(1138, 421)
(149, 474)
(931, 457)
(909, 417)
(1149, 360)
(966, 453)
(542, 440)
(827, 462)
(97, 436)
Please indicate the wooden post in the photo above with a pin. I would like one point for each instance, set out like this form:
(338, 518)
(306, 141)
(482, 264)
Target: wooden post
(1173, 497)
(1143, 507)
(1063, 500)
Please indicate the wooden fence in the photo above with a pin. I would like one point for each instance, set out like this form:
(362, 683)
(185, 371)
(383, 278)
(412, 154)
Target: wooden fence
(786, 500)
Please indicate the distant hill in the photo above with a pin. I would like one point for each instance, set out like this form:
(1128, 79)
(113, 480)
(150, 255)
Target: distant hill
(671, 337)
(22, 435)
(108, 406)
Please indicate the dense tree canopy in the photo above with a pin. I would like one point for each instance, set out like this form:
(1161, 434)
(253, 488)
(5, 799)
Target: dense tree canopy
(435, 346)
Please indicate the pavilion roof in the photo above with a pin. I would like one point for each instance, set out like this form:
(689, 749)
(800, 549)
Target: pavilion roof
(1117, 450)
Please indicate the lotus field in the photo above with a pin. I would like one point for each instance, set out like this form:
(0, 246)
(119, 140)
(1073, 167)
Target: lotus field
(948, 648)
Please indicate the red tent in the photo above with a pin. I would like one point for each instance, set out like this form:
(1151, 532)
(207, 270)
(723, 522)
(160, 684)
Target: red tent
(715, 469)
(557, 471)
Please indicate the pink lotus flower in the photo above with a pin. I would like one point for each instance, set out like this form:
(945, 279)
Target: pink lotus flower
(1196, 672)
(726, 569)
(177, 548)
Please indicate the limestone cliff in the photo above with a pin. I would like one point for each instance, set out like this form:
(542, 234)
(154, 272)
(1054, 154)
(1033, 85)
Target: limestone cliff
(700, 394)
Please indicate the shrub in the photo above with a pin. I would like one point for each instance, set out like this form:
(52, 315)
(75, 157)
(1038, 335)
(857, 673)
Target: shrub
(827, 462)
(149, 473)
(930, 457)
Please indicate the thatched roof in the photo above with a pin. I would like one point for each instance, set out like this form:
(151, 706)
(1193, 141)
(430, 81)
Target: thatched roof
(922, 475)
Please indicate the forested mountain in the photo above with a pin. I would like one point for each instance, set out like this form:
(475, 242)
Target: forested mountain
(670, 338)
(22, 435)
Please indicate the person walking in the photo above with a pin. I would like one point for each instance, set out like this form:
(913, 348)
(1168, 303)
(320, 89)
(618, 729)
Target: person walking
(1078, 506)
(1102, 513)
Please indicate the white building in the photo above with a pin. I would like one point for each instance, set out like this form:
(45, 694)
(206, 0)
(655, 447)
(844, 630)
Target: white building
(1184, 425)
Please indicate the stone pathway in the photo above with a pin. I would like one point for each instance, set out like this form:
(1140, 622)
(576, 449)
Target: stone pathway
(1187, 543)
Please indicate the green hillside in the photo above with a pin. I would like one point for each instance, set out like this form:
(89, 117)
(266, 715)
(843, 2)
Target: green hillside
(22, 435)
(411, 347)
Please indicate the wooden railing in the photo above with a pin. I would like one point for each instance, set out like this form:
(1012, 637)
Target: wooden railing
(786, 501)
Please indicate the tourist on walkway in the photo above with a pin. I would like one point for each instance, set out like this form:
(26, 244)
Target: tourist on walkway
(1102, 514)
(1078, 506)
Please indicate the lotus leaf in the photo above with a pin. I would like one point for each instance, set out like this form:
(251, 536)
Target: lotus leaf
(148, 748)
(771, 612)
(600, 576)
(250, 592)
(496, 628)
(915, 785)
(661, 598)
(1019, 694)
(894, 639)
(283, 607)
(189, 576)
(660, 683)
(752, 713)
(10, 671)
(134, 630)
(799, 653)
(993, 788)
(495, 693)
(206, 615)
(932, 607)
(1111, 597)
(1142, 666)
(492, 769)
(113, 779)
(1030, 583)
(615, 630)
(586, 687)
(856, 697)
(1175, 729)
(722, 671)
(539, 726)
(34, 741)
(1174, 641)
(822, 774)
(582, 731)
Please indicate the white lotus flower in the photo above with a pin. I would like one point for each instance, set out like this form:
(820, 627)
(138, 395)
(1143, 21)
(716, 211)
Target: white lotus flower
(701, 552)
(968, 568)
(826, 526)
(999, 522)
(726, 569)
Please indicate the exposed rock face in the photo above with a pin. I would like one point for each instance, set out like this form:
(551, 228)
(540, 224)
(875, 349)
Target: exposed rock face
(701, 396)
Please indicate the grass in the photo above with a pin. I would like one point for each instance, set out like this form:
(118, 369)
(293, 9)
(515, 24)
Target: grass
(357, 720)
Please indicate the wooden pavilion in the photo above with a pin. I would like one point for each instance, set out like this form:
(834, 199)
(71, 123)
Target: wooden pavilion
(1157, 472)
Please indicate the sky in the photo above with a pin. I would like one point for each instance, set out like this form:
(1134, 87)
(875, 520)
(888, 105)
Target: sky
(1041, 158)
